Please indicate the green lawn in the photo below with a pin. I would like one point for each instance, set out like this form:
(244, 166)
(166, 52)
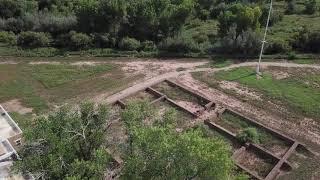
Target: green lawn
(54, 75)
(299, 97)
(39, 86)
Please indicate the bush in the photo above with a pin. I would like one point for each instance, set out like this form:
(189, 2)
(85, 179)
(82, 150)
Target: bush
(9, 8)
(292, 55)
(14, 25)
(79, 40)
(179, 44)
(311, 6)
(56, 24)
(291, 7)
(307, 41)
(275, 46)
(104, 40)
(276, 16)
(33, 39)
(129, 44)
(8, 38)
(246, 43)
(249, 135)
(148, 46)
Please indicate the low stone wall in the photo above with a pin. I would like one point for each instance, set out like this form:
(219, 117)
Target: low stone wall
(172, 102)
(256, 123)
(154, 92)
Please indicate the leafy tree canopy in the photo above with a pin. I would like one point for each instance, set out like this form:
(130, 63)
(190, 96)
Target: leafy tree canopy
(159, 152)
(66, 144)
(244, 17)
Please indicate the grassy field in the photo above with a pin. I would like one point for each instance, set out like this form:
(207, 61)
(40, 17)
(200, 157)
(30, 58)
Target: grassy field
(39, 86)
(299, 93)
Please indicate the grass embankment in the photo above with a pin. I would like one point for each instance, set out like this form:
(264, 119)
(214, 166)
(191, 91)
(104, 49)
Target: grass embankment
(38, 86)
(299, 93)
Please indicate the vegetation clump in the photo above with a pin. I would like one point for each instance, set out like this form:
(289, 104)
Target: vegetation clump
(156, 150)
(249, 135)
(68, 144)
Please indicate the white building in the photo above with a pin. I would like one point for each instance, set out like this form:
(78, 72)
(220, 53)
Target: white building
(10, 140)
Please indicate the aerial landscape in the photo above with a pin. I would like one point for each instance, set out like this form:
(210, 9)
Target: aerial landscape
(160, 89)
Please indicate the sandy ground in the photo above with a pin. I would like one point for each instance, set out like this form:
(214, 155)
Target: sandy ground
(153, 68)
(234, 86)
(16, 106)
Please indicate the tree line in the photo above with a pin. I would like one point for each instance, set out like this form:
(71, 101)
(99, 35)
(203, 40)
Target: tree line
(143, 25)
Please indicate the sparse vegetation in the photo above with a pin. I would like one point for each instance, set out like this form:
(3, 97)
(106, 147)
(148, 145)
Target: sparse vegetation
(298, 97)
(249, 135)
(37, 86)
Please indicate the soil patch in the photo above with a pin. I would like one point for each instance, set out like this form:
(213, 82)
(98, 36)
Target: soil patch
(255, 162)
(234, 86)
(151, 68)
(16, 106)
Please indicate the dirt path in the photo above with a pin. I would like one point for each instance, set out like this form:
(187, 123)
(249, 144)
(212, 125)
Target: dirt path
(266, 118)
(157, 79)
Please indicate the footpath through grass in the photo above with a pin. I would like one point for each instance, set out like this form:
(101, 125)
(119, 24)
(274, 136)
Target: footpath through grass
(300, 94)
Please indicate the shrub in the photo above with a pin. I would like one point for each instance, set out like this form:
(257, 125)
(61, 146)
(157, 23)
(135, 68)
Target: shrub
(79, 40)
(104, 40)
(292, 55)
(9, 8)
(311, 6)
(148, 46)
(8, 38)
(275, 46)
(179, 44)
(33, 39)
(249, 135)
(307, 41)
(129, 44)
(276, 16)
(246, 43)
(14, 25)
(2, 24)
(56, 24)
(291, 7)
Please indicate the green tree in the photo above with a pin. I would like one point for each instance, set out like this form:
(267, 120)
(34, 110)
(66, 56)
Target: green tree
(100, 15)
(10, 8)
(80, 40)
(157, 19)
(241, 16)
(34, 39)
(159, 152)
(68, 143)
(291, 7)
(311, 6)
(246, 43)
(8, 38)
